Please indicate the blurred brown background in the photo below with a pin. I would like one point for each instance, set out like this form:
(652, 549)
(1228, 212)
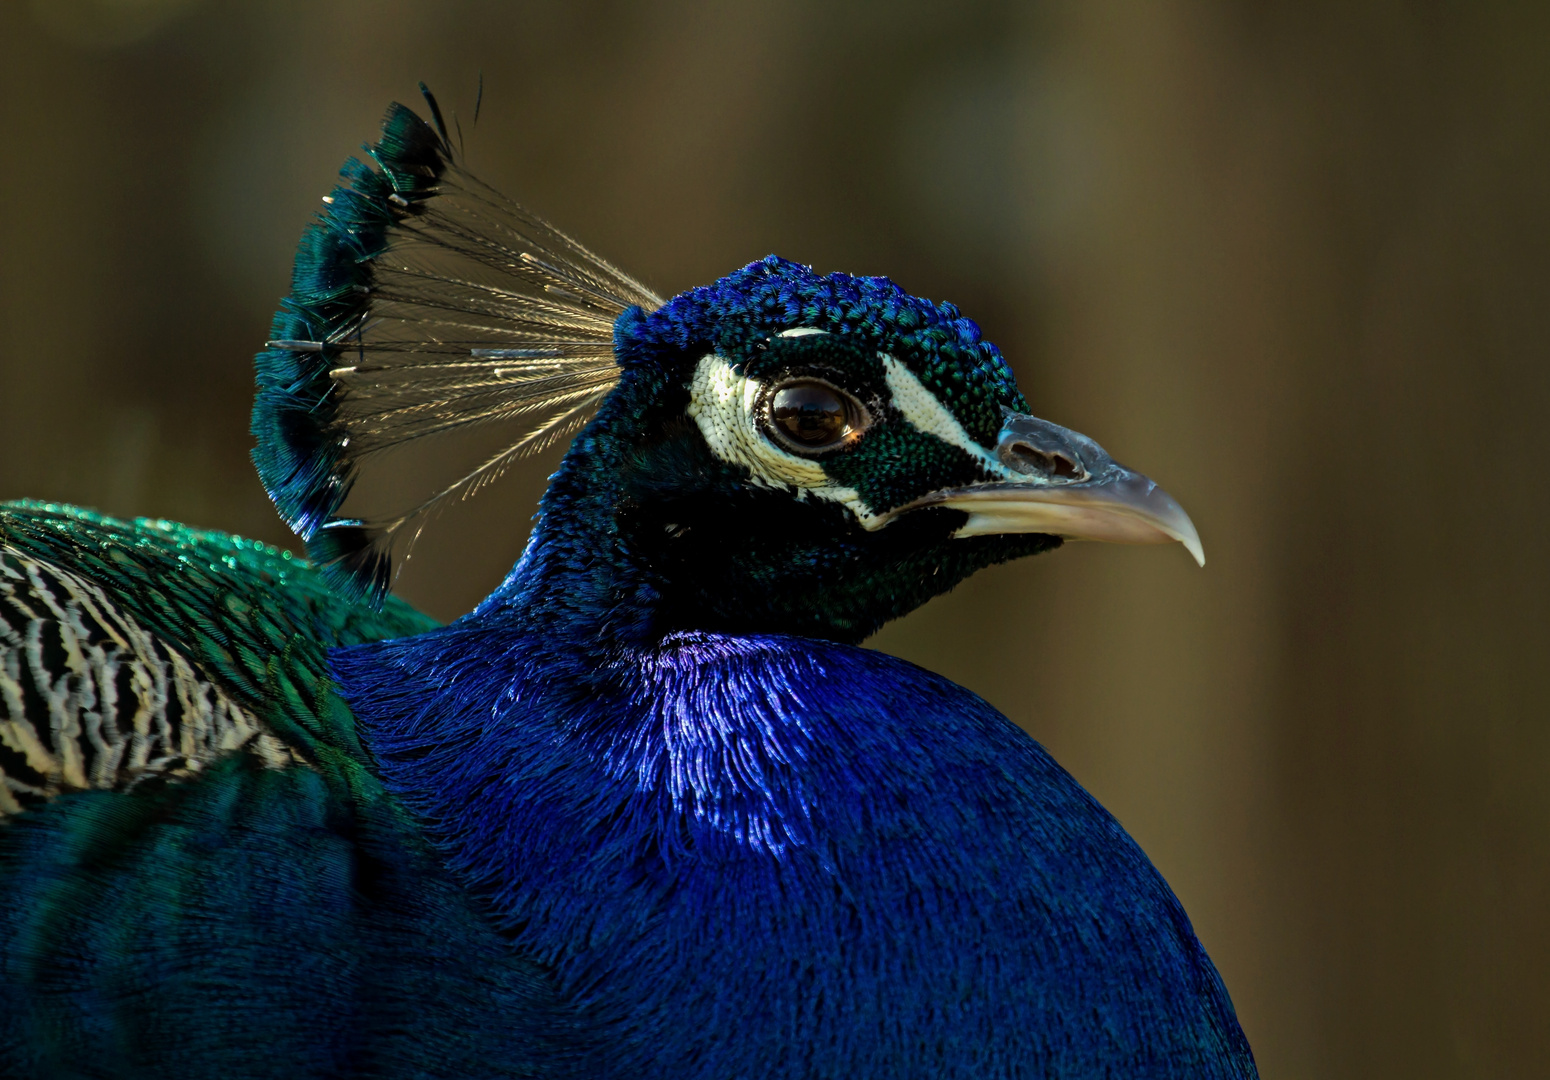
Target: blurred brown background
(1290, 258)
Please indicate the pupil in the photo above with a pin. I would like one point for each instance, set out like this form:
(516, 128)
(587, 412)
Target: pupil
(813, 415)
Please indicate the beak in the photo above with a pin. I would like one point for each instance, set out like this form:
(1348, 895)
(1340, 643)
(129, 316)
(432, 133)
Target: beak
(1063, 483)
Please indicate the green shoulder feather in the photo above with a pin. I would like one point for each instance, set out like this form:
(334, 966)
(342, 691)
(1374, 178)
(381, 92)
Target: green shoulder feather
(254, 622)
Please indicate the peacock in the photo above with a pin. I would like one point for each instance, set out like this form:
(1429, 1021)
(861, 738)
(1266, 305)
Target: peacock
(649, 810)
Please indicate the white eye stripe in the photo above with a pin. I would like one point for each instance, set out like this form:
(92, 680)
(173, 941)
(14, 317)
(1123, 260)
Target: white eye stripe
(801, 331)
(724, 404)
(927, 414)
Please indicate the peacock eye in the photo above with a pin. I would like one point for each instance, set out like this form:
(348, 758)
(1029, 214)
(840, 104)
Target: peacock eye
(810, 416)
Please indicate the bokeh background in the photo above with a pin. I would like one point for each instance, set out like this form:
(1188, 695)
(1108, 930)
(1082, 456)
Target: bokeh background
(1289, 257)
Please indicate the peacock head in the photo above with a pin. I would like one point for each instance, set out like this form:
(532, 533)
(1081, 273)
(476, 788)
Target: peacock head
(818, 454)
(780, 451)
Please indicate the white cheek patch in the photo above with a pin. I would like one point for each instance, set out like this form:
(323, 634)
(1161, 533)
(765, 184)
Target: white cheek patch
(925, 413)
(723, 404)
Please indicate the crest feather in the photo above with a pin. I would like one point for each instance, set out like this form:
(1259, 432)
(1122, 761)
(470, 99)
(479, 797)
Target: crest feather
(423, 302)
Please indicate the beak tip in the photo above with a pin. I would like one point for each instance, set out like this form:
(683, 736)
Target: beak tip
(1175, 523)
(1183, 530)
(1192, 545)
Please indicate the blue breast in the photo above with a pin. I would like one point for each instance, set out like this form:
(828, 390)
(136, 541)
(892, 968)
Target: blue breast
(764, 855)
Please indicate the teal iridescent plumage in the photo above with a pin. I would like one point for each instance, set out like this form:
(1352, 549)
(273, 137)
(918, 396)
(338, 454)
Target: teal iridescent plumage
(254, 617)
(648, 811)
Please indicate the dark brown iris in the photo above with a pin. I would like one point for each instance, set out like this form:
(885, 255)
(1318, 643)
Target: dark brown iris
(814, 416)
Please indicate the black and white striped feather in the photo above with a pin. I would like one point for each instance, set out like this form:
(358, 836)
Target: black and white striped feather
(89, 698)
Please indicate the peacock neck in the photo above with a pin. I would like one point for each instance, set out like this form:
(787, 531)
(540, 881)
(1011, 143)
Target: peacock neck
(582, 575)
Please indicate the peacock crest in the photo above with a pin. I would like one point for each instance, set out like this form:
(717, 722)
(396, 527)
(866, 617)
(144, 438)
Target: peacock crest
(423, 303)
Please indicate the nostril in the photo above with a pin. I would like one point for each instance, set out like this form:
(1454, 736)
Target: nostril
(1030, 459)
(1063, 467)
